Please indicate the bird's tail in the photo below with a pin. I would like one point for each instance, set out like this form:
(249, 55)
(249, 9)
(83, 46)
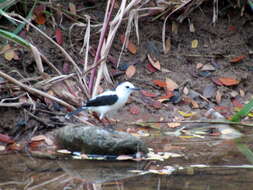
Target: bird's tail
(78, 110)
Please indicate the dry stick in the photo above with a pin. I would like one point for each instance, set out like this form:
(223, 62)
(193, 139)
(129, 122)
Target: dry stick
(16, 105)
(201, 121)
(35, 91)
(101, 42)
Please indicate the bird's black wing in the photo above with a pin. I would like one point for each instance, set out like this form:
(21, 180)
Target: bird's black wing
(105, 100)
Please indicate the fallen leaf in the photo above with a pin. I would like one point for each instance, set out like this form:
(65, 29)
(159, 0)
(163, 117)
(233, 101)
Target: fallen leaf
(131, 70)
(184, 114)
(40, 15)
(209, 91)
(173, 125)
(148, 94)
(237, 59)
(135, 110)
(242, 93)
(170, 84)
(218, 97)
(186, 91)
(237, 103)
(193, 103)
(130, 45)
(58, 36)
(156, 104)
(199, 65)
(217, 81)
(9, 54)
(167, 45)
(191, 27)
(151, 68)
(72, 8)
(234, 93)
(14, 146)
(160, 83)
(42, 138)
(232, 28)
(208, 67)
(195, 43)
(227, 81)
(124, 157)
(5, 139)
(2, 148)
(154, 62)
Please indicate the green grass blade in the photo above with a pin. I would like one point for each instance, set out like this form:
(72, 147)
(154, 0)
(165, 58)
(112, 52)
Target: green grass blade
(244, 149)
(243, 112)
(15, 38)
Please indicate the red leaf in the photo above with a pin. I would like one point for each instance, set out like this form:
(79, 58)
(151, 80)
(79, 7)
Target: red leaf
(156, 104)
(148, 94)
(237, 103)
(160, 83)
(227, 81)
(135, 110)
(58, 36)
(5, 139)
(150, 68)
(237, 59)
(40, 19)
(40, 15)
(168, 95)
(217, 81)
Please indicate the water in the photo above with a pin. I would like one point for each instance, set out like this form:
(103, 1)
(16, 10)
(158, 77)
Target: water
(23, 172)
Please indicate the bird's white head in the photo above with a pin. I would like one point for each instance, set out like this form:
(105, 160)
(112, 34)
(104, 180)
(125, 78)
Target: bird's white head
(126, 88)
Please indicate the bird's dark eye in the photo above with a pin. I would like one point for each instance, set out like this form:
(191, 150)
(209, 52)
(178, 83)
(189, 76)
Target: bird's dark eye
(127, 86)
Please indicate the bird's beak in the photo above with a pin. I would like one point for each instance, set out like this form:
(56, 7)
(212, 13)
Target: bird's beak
(137, 89)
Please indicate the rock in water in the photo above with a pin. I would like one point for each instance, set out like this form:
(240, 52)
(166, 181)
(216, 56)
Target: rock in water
(96, 140)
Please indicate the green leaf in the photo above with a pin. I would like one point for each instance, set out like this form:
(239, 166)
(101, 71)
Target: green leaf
(243, 112)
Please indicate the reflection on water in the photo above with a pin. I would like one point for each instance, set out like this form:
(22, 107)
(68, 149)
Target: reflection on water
(21, 172)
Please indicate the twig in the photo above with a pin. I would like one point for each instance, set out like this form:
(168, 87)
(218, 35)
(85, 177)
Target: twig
(34, 90)
(46, 182)
(37, 118)
(201, 121)
(16, 105)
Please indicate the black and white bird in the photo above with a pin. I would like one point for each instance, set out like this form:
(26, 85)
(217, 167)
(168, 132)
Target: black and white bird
(108, 101)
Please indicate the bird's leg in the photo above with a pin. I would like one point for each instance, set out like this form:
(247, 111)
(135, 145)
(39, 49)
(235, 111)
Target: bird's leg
(103, 121)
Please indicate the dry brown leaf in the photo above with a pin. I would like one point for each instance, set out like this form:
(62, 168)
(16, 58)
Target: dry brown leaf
(154, 62)
(167, 45)
(129, 45)
(131, 70)
(170, 84)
